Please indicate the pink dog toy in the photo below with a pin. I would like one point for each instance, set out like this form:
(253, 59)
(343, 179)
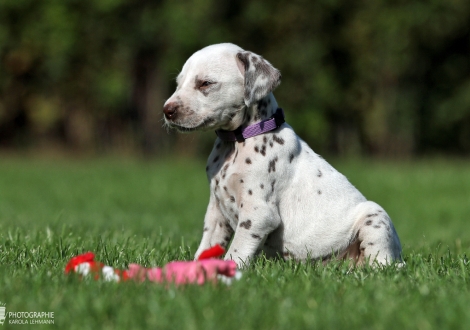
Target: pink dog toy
(206, 268)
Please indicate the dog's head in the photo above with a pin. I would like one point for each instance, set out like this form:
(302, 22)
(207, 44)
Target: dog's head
(216, 86)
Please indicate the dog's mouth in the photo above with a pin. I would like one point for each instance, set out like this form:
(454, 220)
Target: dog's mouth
(187, 128)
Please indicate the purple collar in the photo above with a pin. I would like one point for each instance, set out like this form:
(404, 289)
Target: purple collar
(264, 126)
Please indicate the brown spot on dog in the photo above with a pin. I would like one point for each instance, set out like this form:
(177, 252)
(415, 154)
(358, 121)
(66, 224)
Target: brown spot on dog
(225, 188)
(319, 192)
(248, 161)
(250, 192)
(206, 229)
(265, 139)
(272, 185)
(372, 215)
(377, 226)
(241, 181)
(291, 158)
(371, 244)
(221, 224)
(272, 165)
(319, 174)
(255, 236)
(261, 186)
(368, 222)
(278, 139)
(256, 149)
(263, 150)
(232, 199)
(241, 205)
(246, 224)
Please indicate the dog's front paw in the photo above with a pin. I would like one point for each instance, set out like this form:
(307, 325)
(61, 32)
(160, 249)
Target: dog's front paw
(241, 261)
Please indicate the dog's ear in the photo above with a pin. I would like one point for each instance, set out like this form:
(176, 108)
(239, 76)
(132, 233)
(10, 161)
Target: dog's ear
(261, 78)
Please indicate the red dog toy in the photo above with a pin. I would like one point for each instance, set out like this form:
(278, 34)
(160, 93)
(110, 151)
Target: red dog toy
(206, 268)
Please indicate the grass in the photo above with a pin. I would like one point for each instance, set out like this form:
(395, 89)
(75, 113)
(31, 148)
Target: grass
(151, 213)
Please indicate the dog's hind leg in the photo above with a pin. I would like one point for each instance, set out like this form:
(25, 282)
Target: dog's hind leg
(378, 240)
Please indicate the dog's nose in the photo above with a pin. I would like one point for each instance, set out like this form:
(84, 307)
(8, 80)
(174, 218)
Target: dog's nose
(170, 110)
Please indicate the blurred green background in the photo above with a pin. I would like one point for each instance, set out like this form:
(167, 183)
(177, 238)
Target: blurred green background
(371, 77)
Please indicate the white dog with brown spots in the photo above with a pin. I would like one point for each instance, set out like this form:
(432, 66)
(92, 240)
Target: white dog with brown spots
(269, 192)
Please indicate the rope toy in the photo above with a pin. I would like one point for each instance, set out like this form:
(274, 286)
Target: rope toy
(206, 269)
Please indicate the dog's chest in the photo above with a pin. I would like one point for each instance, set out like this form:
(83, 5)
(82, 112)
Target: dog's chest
(227, 178)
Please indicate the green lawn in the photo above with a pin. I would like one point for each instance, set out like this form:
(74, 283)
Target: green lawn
(151, 213)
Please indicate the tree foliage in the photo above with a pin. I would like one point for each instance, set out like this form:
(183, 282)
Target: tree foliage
(359, 77)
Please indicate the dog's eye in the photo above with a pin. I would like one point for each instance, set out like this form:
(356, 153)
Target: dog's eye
(205, 84)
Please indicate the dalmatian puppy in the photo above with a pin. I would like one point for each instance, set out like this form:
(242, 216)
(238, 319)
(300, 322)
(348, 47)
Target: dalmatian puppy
(270, 192)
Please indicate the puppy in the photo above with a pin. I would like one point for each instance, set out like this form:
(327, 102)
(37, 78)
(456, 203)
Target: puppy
(269, 192)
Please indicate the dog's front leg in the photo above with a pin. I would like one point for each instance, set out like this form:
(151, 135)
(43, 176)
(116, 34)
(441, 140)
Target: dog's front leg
(216, 228)
(250, 236)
